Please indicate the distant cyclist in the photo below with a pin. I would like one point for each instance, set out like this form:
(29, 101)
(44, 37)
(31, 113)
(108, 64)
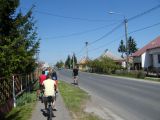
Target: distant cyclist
(75, 75)
(54, 77)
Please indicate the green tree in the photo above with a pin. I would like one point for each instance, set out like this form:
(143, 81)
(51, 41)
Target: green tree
(18, 41)
(122, 48)
(103, 65)
(74, 59)
(59, 64)
(132, 45)
(68, 62)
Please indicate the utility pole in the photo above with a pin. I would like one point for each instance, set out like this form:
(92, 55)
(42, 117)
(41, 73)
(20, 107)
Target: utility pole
(86, 54)
(86, 50)
(127, 46)
(73, 59)
(126, 36)
(70, 62)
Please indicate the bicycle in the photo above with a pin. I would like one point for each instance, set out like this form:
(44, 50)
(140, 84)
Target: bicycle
(50, 112)
(41, 96)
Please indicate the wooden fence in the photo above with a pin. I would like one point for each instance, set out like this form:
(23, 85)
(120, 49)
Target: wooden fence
(11, 87)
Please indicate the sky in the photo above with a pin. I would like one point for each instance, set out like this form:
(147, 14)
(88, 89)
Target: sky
(65, 25)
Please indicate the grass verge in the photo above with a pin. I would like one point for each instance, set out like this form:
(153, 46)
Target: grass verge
(152, 79)
(75, 100)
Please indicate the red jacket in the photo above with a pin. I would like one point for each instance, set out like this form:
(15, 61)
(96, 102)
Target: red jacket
(42, 78)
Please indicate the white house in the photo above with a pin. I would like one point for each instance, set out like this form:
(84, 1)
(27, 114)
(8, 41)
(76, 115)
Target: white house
(148, 56)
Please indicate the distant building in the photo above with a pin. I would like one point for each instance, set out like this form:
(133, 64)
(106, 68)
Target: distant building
(83, 64)
(45, 65)
(148, 56)
(118, 60)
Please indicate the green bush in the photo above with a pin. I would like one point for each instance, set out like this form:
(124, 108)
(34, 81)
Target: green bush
(133, 74)
(25, 98)
(141, 74)
(103, 65)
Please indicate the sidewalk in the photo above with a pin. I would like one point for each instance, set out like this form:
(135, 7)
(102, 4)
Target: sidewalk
(61, 114)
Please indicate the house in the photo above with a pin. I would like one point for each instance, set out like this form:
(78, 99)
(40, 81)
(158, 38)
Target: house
(116, 59)
(82, 64)
(148, 56)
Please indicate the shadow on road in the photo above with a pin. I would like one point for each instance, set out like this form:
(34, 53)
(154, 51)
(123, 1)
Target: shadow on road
(44, 112)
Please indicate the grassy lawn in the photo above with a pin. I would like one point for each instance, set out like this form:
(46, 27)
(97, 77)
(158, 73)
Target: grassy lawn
(75, 99)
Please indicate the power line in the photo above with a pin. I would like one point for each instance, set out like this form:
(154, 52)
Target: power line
(101, 46)
(80, 33)
(69, 17)
(144, 28)
(105, 35)
(80, 51)
(143, 13)
(132, 18)
(141, 29)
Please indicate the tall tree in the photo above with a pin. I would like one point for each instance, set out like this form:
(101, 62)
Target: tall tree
(122, 48)
(59, 64)
(18, 41)
(68, 62)
(132, 45)
(74, 60)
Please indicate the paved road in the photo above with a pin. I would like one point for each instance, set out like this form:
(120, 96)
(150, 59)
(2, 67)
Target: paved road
(128, 98)
(62, 112)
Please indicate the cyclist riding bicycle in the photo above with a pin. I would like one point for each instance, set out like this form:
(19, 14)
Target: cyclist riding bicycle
(75, 75)
(42, 77)
(54, 77)
(49, 90)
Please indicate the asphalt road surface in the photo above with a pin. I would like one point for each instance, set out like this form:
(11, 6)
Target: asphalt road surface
(129, 98)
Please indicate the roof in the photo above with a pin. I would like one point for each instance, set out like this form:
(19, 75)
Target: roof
(45, 65)
(112, 56)
(153, 44)
(84, 60)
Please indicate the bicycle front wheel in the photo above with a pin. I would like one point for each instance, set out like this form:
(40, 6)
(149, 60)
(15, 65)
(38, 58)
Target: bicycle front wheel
(50, 113)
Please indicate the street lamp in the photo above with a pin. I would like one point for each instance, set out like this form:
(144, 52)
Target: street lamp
(126, 36)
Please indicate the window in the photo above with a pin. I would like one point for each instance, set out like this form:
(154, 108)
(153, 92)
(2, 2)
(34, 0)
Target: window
(158, 58)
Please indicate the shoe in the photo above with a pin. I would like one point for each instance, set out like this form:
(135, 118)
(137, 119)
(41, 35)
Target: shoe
(54, 109)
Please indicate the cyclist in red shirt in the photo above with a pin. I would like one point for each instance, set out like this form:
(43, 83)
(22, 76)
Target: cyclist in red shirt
(42, 77)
